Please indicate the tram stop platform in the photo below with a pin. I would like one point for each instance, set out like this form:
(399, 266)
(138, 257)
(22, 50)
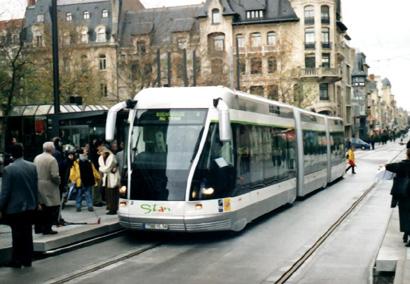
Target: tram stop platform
(393, 255)
(69, 235)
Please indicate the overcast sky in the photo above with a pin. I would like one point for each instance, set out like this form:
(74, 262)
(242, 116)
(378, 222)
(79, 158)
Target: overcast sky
(377, 27)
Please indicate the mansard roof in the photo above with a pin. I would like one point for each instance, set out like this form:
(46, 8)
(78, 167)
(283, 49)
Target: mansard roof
(159, 23)
(76, 8)
(274, 10)
(386, 82)
(360, 62)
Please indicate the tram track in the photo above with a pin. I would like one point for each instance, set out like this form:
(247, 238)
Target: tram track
(297, 265)
(282, 279)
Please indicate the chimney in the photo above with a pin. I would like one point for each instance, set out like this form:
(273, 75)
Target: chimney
(31, 3)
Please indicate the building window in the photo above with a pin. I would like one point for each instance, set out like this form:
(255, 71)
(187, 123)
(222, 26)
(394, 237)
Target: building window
(182, 43)
(141, 49)
(256, 14)
(309, 15)
(256, 40)
(101, 37)
(325, 38)
(309, 38)
(256, 90)
(217, 66)
(68, 17)
(219, 43)
(326, 60)
(273, 92)
(86, 15)
(216, 16)
(241, 41)
(272, 65)
(256, 66)
(39, 40)
(271, 38)
(40, 18)
(310, 61)
(242, 66)
(67, 39)
(324, 91)
(325, 15)
(84, 36)
(105, 13)
(216, 42)
(103, 62)
(103, 90)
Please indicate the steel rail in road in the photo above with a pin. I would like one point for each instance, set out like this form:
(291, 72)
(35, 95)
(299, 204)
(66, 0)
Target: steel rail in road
(282, 279)
(299, 263)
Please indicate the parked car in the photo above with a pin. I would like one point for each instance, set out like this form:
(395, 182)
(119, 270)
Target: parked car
(360, 144)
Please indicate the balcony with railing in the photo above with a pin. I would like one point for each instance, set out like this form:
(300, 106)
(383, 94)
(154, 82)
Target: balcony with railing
(325, 20)
(310, 45)
(323, 73)
(326, 45)
(309, 20)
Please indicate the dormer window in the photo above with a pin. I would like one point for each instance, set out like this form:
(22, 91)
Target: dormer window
(68, 17)
(105, 13)
(216, 16)
(255, 14)
(101, 36)
(86, 15)
(40, 18)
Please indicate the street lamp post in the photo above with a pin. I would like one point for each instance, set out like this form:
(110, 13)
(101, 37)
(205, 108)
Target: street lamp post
(56, 79)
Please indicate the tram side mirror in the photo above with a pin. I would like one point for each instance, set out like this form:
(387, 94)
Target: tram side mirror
(112, 118)
(225, 130)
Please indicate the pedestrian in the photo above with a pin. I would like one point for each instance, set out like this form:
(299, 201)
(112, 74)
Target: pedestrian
(8, 157)
(110, 179)
(18, 202)
(49, 192)
(85, 176)
(402, 197)
(93, 156)
(351, 159)
(120, 158)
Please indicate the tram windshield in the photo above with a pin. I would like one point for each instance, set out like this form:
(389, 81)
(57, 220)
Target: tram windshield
(164, 143)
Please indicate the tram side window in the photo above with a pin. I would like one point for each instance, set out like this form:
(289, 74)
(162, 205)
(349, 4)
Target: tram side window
(337, 148)
(263, 156)
(314, 147)
(215, 175)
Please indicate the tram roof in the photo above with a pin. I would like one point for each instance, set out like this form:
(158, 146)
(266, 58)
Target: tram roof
(202, 97)
(41, 110)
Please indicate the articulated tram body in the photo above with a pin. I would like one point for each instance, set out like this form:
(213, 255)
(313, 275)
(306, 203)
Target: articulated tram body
(210, 158)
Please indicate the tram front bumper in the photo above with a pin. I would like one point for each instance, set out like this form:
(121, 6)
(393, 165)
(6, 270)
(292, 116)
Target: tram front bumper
(217, 222)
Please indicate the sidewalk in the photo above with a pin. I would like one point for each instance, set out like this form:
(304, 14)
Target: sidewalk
(393, 255)
(67, 235)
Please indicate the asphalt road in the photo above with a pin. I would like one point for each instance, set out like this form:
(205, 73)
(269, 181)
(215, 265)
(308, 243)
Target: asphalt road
(259, 254)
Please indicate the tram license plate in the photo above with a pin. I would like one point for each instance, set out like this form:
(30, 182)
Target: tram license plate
(156, 226)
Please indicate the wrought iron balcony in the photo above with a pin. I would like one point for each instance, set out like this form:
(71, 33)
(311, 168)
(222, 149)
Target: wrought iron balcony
(326, 45)
(325, 20)
(309, 21)
(329, 74)
(310, 45)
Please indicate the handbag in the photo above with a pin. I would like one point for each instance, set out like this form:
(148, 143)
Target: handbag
(401, 186)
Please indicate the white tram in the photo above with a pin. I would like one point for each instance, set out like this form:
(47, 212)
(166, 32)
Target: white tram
(210, 158)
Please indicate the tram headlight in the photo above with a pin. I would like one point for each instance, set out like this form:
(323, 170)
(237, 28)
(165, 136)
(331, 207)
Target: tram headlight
(123, 191)
(207, 190)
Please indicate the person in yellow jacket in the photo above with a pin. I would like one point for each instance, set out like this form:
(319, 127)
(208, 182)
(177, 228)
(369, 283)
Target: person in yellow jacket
(85, 176)
(351, 160)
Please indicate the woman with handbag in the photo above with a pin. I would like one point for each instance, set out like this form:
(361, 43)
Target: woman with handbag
(401, 193)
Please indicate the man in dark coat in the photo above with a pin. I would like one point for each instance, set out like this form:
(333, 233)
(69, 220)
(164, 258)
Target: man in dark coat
(402, 170)
(18, 200)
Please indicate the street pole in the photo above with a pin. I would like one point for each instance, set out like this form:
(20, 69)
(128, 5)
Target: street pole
(56, 79)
